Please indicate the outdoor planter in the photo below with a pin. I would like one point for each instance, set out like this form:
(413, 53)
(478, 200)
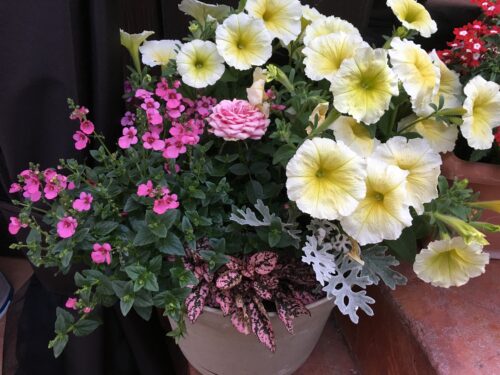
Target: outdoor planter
(213, 346)
(483, 178)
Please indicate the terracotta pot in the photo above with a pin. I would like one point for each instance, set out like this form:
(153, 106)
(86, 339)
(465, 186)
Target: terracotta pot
(483, 178)
(213, 346)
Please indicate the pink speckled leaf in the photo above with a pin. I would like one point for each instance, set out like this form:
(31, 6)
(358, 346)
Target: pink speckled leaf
(241, 321)
(289, 308)
(261, 325)
(264, 262)
(234, 264)
(262, 290)
(228, 280)
(224, 300)
(196, 301)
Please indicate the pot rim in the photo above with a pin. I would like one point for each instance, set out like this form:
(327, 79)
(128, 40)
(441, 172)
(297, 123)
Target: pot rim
(271, 314)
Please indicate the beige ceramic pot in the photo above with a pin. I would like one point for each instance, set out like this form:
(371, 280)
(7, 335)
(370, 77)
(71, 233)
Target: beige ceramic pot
(484, 178)
(213, 346)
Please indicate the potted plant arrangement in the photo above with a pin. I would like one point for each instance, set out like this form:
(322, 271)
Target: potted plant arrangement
(473, 52)
(266, 173)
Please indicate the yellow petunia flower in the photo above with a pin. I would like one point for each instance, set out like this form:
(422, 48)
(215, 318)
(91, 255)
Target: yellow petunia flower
(419, 75)
(356, 136)
(199, 63)
(326, 179)
(413, 16)
(328, 25)
(309, 15)
(482, 105)
(132, 42)
(318, 114)
(449, 84)
(243, 41)
(200, 10)
(364, 85)
(384, 212)
(282, 18)
(440, 136)
(450, 262)
(422, 164)
(159, 52)
(325, 54)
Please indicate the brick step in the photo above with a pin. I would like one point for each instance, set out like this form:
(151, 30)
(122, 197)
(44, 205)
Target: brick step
(419, 329)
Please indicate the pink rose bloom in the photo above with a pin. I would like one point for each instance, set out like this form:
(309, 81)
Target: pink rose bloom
(81, 140)
(101, 253)
(15, 188)
(237, 120)
(145, 190)
(66, 227)
(166, 202)
(87, 127)
(71, 303)
(129, 137)
(84, 202)
(152, 141)
(15, 225)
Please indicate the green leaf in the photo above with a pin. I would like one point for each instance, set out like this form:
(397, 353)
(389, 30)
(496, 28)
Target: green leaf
(131, 205)
(143, 299)
(284, 154)
(144, 237)
(239, 169)
(171, 245)
(150, 282)
(34, 236)
(155, 264)
(85, 326)
(105, 227)
(144, 312)
(134, 271)
(378, 267)
(58, 344)
(122, 288)
(254, 191)
(405, 247)
(126, 304)
(158, 229)
(275, 232)
(63, 321)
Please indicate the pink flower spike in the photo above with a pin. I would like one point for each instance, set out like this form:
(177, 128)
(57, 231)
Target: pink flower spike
(128, 119)
(78, 113)
(81, 140)
(15, 225)
(152, 141)
(87, 127)
(84, 202)
(145, 190)
(66, 227)
(15, 188)
(101, 253)
(129, 138)
(71, 303)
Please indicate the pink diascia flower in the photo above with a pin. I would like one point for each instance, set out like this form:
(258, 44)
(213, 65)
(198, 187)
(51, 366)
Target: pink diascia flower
(15, 188)
(15, 225)
(129, 137)
(78, 113)
(166, 202)
(66, 227)
(87, 127)
(154, 117)
(128, 119)
(237, 120)
(152, 141)
(71, 185)
(101, 253)
(173, 148)
(150, 103)
(87, 310)
(84, 202)
(145, 190)
(143, 94)
(32, 185)
(71, 303)
(81, 140)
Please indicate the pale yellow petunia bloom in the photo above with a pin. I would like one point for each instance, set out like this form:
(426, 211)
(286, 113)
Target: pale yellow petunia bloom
(364, 85)
(450, 262)
(384, 212)
(199, 63)
(413, 16)
(200, 10)
(326, 179)
(416, 70)
(422, 164)
(325, 54)
(440, 136)
(282, 18)
(356, 136)
(243, 41)
(482, 105)
(450, 87)
(328, 25)
(159, 52)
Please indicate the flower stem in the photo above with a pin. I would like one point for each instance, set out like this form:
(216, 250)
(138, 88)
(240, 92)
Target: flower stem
(332, 116)
(414, 122)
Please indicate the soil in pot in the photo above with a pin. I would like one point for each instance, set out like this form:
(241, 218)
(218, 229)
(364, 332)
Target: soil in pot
(213, 346)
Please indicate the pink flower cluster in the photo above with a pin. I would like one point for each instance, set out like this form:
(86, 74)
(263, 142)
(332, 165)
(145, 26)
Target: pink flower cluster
(185, 115)
(86, 127)
(470, 44)
(163, 200)
(237, 120)
(72, 304)
(32, 184)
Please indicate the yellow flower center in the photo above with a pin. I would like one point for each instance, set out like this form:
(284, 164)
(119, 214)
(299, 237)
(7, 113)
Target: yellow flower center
(379, 197)
(267, 15)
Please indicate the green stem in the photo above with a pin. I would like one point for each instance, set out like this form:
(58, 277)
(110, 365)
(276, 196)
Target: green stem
(99, 138)
(330, 119)
(415, 122)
